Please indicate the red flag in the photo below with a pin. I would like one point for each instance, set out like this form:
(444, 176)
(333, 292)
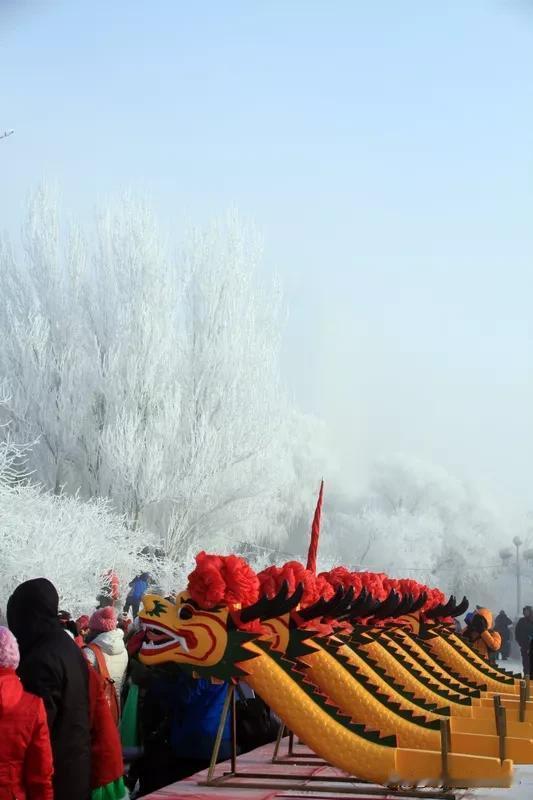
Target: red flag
(315, 532)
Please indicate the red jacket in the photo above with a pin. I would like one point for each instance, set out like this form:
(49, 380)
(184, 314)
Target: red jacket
(106, 749)
(26, 765)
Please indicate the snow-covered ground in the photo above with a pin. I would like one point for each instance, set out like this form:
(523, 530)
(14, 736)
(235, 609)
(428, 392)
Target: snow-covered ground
(522, 788)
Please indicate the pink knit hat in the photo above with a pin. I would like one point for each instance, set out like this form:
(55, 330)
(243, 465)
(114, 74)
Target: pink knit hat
(103, 620)
(9, 650)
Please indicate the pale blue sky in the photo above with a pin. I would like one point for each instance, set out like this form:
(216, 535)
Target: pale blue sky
(384, 149)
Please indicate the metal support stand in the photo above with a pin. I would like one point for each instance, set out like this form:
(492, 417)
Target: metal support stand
(281, 734)
(228, 700)
(310, 784)
(445, 740)
(291, 744)
(523, 699)
(501, 724)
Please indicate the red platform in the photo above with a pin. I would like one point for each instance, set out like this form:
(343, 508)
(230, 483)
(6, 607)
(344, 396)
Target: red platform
(258, 761)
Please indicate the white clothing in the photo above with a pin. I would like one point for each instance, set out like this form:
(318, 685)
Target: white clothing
(115, 654)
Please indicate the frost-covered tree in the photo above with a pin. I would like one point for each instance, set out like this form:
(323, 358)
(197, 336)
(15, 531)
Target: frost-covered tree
(230, 461)
(147, 378)
(72, 543)
(417, 519)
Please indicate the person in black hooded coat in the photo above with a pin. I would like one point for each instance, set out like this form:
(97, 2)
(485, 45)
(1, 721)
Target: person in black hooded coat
(52, 667)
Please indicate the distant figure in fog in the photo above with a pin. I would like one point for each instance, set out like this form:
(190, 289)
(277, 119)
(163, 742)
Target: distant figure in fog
(523, 634)
(502, 624)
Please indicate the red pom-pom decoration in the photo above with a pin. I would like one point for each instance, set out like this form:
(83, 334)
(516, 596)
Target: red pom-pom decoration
(374, 583)
(294, 573)
(223, 580)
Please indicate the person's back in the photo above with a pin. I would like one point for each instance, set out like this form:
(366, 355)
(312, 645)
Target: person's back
(53, 668)
(104, 633)
(524, 634)
(524, 628)
(138, 587)
(25, 751)
(185, 713)
(198, 707)
(502, 624)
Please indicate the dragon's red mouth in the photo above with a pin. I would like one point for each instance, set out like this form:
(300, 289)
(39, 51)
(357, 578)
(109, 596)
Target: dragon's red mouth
(160, 639)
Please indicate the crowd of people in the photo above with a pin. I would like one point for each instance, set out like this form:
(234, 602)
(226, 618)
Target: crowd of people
(76, 704)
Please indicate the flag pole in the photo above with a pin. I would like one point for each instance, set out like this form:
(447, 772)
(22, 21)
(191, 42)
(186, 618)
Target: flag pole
(315, 531)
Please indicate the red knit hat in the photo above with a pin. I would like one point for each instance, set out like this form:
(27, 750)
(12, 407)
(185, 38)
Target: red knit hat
(103, 620)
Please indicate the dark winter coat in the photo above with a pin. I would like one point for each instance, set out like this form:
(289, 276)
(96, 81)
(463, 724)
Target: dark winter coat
(502, 624)
(523, 632)
(25, 753)
(194, 707)
(52, 667)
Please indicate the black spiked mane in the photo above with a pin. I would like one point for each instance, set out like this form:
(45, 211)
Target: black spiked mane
(388, 607)
(450, 609)
(334, 608)
(406, 603)
(268, 608)
(419, 603)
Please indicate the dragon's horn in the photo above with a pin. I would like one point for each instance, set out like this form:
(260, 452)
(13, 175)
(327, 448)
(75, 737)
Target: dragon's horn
(405, 606)
(460, 608)
(366, 609)
(435, 612)
(450, 605)
(417, 604)
(388, 607)
(267, 608)
(343, 607)
(357, 605)
(443, 609)
(335, 606)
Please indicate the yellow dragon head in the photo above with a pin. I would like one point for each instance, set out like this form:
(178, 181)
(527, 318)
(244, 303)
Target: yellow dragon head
(178, 630)
(212, 642)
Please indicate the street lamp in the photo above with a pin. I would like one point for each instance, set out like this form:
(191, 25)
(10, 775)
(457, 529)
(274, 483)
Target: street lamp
(506, 555)
(517, 541)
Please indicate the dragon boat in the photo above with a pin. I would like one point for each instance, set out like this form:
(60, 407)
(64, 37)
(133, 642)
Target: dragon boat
(363, 677)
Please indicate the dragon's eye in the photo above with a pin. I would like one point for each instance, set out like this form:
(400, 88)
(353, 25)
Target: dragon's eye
(185, 612)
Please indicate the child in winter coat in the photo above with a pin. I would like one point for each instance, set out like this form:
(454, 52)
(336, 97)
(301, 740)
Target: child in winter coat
(104, 634)
(26, 765)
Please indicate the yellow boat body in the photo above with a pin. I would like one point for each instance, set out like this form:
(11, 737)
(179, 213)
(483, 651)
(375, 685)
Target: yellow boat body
(409, 646)
(472, 668)
(354, 754)
(360, 702)
(409, 680)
